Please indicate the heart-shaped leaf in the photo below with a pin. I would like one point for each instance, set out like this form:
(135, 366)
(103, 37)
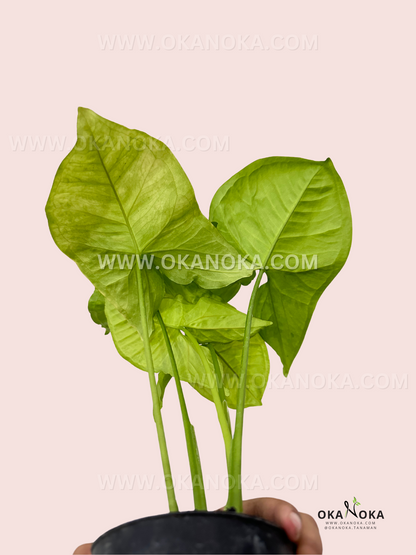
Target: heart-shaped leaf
(121, 198)
(292, 218)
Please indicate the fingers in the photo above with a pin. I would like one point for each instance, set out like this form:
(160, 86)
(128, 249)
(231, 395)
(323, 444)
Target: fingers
(83, 549)
(300, 527)
(310, 539)
(279, 512)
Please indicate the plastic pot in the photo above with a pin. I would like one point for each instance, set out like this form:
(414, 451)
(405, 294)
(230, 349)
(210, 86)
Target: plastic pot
(195, 532)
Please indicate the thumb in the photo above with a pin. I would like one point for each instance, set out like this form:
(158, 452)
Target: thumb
(83, 549)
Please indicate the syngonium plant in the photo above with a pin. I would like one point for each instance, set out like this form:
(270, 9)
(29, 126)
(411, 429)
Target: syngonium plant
(123, 209)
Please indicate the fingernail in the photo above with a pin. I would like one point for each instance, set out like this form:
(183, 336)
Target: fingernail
(296, 526)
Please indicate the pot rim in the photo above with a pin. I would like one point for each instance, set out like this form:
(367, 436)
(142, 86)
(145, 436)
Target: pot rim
(230, 513)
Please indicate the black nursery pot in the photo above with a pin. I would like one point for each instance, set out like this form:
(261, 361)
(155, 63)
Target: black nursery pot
(195, 532)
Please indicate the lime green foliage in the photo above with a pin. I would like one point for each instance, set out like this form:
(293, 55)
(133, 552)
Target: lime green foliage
(119, 191)
(121, 204)
(96, 306)
(283, 209)
(130, 346)
(162, 383)
(208, 319)
(287, 207)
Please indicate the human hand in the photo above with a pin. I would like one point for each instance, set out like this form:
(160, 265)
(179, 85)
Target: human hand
(300, 527)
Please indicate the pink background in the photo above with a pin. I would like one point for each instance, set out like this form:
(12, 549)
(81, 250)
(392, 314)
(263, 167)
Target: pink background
(71, 407)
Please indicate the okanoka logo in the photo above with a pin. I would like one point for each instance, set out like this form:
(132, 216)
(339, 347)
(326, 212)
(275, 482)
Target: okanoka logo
(352, 510)
(354, 503)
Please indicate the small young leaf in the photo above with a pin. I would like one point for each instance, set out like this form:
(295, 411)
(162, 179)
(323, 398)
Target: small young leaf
(229, 354)
(162, 383)
(209, 320)
(96, 307)
(191, 292)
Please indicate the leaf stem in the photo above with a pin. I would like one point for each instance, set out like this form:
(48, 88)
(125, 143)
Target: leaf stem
(157, 415)
(191, 444)
(220, 382)
(222, 417)
(235, 499)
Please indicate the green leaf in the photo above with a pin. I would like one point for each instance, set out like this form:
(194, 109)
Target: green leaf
(96, 307)
(229, 354)
(121, 194)
(277, 208)
(162, 383)
(179, 314)
(192, 291)
(225, 294)
(230, 291)
(130, 346)
(209, 320)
